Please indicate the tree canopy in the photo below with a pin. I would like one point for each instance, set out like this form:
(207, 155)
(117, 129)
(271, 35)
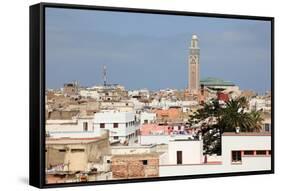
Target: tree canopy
(214, 119)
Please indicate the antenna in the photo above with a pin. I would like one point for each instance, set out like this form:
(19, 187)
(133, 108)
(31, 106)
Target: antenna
(104, 75)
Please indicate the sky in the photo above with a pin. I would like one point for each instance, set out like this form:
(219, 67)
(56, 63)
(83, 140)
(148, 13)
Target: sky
(151, 51)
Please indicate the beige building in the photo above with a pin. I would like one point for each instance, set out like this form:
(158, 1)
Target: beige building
(193, 66)
(70, 89)
(66, 157)
(135, 166)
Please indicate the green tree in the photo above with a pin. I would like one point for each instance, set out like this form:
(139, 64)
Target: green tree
(214, 119)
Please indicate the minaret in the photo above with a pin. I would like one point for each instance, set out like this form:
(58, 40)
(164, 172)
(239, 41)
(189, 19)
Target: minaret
(193, 66)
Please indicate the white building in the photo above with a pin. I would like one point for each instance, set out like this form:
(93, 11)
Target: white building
(166, 103)
(161, 138)
(143, 93)
(147, 117)
(246, 151)
(257, 104)
(74, 128)
(122, 126)
(123, 106)
(89, 93)
(137, 104)
(185, 151)
(241, 152)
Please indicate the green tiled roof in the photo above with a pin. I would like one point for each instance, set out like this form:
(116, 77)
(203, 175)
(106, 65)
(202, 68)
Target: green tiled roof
(215, 82)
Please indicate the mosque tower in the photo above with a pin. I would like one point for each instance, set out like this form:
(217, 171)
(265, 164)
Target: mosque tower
(193, 66)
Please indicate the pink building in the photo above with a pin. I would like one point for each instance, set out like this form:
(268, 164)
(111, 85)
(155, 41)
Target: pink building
(155, 129)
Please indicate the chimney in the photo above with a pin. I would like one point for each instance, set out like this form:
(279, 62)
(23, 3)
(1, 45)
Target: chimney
(237, 130)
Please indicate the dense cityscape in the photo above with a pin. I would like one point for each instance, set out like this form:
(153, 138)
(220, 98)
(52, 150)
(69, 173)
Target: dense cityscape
(107, 132)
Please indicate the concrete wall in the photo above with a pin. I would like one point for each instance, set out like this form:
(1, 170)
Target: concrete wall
(235, 142)
(76, 157)
(158, 139)
(241, 143)
(71, 128)
(249, 164)
(132, 166)
(192, 151)
(146, 116)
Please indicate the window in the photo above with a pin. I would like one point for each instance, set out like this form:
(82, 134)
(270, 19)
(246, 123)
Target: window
(269, 152)
(108, 161)
(102, 125)
(77, 150)
(115, 125)
(260, 152)
(145, 121)
(85, 126)
(144, 162)
(62, 150)
(115, 137)
(248, 152)
(179, 157)
(236, 156)
(267, 127)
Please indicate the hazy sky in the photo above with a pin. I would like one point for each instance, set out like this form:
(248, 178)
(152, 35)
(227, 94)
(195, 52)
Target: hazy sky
(151, 51)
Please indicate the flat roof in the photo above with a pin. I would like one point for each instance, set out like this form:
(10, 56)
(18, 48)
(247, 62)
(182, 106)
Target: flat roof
(142, 155)
(65, 141)
(210, 81)
(246, 134)
(134, 146)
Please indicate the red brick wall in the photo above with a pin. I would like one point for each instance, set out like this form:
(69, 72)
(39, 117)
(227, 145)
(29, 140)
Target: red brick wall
(134, 167)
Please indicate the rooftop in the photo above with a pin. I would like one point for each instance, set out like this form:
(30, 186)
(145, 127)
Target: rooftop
(65, 141)
(215, 82)
(246, 134)
(143, 155)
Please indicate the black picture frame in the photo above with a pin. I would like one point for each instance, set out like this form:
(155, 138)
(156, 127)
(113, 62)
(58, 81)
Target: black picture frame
(37, 93)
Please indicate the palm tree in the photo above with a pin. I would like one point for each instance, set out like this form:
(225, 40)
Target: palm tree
(234, 115)
(257, 121)
(227, 118)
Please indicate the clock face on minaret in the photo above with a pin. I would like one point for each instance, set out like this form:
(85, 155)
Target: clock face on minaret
(193, 62)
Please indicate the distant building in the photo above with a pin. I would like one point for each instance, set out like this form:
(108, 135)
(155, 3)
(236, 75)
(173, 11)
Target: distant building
(147, 117)
(215, 88)
(218, 84)
(162, 134)
(110, 92)
(172, 114)
(194, 66)
(260, 104)
(123, 106)
(72, 128)
(123, 126)
(70, 89)
(222, 96)
(266, 124)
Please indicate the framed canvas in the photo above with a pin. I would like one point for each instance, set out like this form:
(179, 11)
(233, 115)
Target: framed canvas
(121, 95)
